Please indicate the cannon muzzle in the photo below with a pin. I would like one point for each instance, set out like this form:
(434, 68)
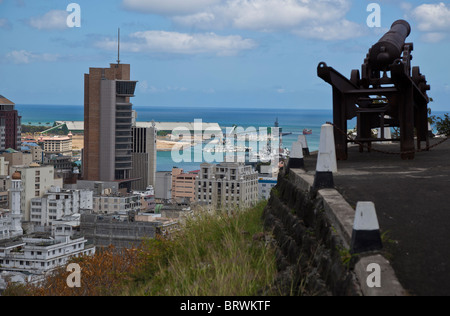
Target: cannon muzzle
(390, 46)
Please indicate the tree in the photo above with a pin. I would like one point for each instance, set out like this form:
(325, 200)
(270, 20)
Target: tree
(443, 125)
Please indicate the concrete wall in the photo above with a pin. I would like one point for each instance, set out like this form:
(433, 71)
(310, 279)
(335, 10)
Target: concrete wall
(312, 231)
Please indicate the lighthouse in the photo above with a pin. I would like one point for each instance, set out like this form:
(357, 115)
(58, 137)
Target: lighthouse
(16, 216)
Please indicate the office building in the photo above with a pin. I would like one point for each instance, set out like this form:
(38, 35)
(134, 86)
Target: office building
(144, 157)
(107, 153)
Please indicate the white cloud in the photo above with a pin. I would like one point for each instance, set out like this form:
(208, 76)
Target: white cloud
(26, 57)
(52, 20)
(340, 30)
(433, 37)
(5, 24)
(181, 43)
(169, 7)
(303, 17)
(432, 17)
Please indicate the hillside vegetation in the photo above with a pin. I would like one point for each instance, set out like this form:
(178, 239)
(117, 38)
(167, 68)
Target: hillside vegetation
(216, 254)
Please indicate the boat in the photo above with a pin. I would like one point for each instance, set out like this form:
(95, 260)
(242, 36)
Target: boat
(307, 131)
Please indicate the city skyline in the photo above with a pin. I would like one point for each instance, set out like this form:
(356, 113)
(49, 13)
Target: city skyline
(199, 53)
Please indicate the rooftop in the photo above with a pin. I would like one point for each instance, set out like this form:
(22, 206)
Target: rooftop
(5, 101)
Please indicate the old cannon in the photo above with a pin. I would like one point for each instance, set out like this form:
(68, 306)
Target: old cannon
(386, 93)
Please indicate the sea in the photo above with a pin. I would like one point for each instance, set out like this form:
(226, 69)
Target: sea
(291, 121)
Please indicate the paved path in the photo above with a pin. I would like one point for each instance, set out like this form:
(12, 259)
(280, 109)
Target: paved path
(412, 199)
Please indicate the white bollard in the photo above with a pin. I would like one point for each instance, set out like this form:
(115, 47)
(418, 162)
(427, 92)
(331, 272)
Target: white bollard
(296, 157)
(387, 134)
(326, 159)
(304, 142)
(366, 230)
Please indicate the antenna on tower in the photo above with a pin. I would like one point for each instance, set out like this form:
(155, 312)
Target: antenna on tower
(118, 47)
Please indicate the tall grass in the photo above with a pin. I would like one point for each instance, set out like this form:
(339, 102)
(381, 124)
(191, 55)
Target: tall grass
(217, 254)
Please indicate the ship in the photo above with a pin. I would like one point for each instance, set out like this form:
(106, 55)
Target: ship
(307, 131)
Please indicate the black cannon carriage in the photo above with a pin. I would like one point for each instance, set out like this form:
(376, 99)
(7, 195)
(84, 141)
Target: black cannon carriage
(386, 93)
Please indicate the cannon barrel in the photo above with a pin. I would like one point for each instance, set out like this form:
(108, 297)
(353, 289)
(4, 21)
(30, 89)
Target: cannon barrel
(390, 46)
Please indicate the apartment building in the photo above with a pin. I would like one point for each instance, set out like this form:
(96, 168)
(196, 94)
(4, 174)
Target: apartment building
(227, 185)
(36, 181)
(116, 203)
(265, 186)
(40, 253)
(57, 203)
(183, 185)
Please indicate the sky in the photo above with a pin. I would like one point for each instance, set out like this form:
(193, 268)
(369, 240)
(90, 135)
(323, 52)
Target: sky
(210, 53)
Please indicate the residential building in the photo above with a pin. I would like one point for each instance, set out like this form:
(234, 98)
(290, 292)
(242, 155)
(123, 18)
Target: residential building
(36, 181)
(62, 164)
(56, 204)
(227, 185)
(144, 157)
(40, 253)
(148, 202)
(265, 185)
(183, 185)
(10, 125)
(34, 149)
(116, 203)
(17, 158)
(107, 153)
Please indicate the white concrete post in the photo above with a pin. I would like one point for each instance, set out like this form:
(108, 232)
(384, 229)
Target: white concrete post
(366, 230)
(304, 142)
(326, 159)
(296, 157)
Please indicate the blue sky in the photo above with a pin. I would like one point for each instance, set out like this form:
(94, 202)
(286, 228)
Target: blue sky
(196, 53)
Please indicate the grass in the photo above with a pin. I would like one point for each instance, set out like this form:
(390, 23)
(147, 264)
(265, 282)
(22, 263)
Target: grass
(215, 254)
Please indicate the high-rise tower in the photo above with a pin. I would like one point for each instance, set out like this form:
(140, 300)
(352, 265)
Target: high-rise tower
(108, 124)
(144, 155)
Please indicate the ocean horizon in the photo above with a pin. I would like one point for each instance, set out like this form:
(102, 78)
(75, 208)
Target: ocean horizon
(292, 121)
